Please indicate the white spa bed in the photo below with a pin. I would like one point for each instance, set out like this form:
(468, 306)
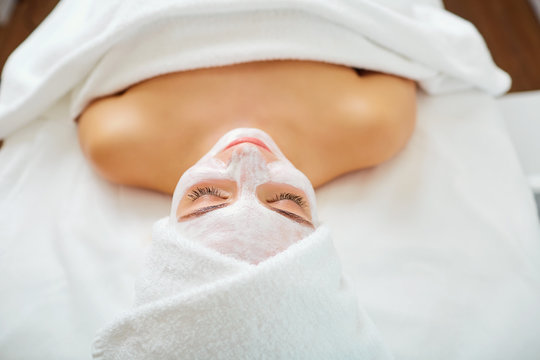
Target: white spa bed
(441, 243)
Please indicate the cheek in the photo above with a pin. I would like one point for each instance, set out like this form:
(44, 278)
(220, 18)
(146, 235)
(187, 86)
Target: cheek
(285, 173)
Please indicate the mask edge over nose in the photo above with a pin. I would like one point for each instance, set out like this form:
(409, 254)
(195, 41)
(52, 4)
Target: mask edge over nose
(210, 167)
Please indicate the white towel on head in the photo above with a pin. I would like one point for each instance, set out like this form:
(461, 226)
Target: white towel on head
(98, 48)
(195, 303)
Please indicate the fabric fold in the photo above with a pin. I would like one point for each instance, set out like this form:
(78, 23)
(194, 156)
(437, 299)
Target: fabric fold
(101, 48)
(205, 305)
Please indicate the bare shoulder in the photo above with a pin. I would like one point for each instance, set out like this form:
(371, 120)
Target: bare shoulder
(140, 139)
(327, 119)
(115, 136)
(104, 122)
(390, 103)
(367, 124)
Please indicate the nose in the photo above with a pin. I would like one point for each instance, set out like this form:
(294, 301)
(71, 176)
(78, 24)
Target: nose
(226, 154)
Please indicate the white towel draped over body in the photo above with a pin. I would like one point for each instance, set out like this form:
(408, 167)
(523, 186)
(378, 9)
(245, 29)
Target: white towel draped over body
(294, 305)
(195, 303)
(99, 48)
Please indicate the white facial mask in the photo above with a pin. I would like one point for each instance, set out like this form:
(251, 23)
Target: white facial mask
(246, 229)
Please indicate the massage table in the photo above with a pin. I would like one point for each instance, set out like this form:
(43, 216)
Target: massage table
(441, 243)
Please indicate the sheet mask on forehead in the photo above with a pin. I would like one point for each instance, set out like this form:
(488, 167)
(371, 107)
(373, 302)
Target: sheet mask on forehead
(246, 229)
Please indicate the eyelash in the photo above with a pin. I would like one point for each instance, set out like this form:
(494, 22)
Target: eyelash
(207, 190)
(288, 196)
(210, 190)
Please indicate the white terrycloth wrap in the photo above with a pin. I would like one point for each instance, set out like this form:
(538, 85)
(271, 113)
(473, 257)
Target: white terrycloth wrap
(195, 303)
(98, 48)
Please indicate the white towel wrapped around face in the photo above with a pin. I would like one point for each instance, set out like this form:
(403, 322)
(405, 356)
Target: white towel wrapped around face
(249, 283)
(195, 303)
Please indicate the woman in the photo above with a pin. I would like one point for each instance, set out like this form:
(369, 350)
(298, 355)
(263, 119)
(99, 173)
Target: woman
(245, 199)
(328, 119)
(244, 203)
(241, 269)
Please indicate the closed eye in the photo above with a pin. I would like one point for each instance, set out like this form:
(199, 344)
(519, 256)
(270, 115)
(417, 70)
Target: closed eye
(202, 211)
(292, 216)
(288, 196)
(206, 190)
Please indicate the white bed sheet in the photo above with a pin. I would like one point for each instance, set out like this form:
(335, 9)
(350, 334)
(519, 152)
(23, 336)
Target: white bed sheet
(441, 242)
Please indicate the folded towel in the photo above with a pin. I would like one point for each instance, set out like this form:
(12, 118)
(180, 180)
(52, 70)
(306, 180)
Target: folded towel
(196, 303)
(98, 48)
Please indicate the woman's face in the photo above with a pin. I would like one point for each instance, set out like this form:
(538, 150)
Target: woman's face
(244, 198)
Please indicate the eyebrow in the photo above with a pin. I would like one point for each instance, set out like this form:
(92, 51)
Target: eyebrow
(207, 209)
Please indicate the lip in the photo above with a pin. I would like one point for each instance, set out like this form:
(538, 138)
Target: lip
(250, 140)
